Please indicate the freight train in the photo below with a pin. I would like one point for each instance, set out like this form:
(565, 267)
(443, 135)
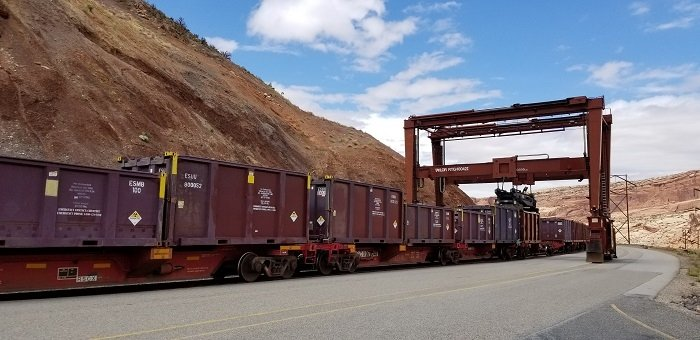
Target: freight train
(172, 218)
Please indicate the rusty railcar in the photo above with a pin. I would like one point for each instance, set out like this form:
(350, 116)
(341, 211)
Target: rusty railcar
(475, 226)
(47, 204)
(68, 226)
(562, 235)
(346, 211)
(474, 232)
(426, 224)
(247, 212)
(218, 203)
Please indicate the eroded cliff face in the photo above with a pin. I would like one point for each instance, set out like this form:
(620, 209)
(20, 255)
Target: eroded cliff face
(660, 209)
(85, 81)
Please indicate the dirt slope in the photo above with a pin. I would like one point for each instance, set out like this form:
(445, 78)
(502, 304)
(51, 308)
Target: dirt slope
(660, 209)
(85, 81)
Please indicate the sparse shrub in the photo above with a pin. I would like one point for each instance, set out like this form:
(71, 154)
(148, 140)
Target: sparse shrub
(181, 22)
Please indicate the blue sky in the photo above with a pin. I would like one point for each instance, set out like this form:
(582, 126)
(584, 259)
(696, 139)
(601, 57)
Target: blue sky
(371, 63)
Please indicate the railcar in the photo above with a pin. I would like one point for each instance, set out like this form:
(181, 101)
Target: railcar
(562, 235)
(172, 217)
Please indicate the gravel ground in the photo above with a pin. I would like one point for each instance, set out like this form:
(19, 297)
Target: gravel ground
(683, 293)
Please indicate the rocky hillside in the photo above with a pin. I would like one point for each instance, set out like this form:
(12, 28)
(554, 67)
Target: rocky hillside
(660, 209)
(85, 81)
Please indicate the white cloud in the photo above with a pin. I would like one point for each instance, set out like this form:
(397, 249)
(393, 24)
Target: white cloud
(444, 24)
(639, 8)
(381, 109)
(684, 22)
(409, 91)
(268, 48)
(345, 27)
(427, 63)
(610, 74)
(222, 44)
(650, 137)
(434, 7)
(687, 7)
(679, 79)
(452, 40)
(688, 12)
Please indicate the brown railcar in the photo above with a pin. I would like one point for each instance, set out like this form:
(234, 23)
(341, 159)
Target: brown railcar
(53, 205)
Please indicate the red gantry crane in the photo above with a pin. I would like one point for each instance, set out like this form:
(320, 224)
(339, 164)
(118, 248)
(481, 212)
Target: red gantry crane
(517, 120)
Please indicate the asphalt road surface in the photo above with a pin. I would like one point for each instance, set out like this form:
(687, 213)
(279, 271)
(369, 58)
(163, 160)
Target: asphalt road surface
(559, 297)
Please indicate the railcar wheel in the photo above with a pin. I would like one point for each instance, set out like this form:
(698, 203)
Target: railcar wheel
(324, 267)
(290, 270)
(444, 259)
(507, 254)
(245, 268)
(355, 263)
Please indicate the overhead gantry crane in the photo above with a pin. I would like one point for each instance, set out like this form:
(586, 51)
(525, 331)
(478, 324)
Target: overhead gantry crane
(521, 119)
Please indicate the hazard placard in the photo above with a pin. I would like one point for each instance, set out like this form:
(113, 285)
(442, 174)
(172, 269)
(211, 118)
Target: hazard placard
(135, 218)
(293, 216)
(320, 220)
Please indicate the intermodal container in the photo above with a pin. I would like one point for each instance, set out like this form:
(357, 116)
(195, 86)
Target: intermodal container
(580, 232)
(474, 226)
(45, 204)
(529, 223)
(352, 212)
(556, 229)
(426, 224)
(506, 223)
(217, 203)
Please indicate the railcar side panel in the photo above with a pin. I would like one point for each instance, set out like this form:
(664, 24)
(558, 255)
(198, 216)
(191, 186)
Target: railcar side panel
(428, 224)
(506, 224)
(353, 212)
(47, 204)
(475, 226)
(218, 203)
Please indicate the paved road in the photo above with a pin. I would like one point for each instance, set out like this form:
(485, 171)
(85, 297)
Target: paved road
(544, 298)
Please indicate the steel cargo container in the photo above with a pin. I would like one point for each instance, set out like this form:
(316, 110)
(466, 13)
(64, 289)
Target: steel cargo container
(506, 223)
(553, 228)
(45, 204)
(579, 232)
(426, 224)
(353, 212)
(529, 223)
(474, 226)
(218, 203)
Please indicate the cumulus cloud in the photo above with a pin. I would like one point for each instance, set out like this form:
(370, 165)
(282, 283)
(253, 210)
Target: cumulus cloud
(222, 44)
(354, 28)
(649, 138)
(412, 92)
(678, 79)
(610, 74)
(381, 109)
